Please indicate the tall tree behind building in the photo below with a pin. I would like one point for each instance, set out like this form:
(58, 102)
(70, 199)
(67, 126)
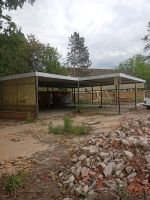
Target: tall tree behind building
(78, 54)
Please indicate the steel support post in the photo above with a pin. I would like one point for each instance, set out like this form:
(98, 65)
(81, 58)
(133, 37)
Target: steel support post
(92, 95)
(118, 87)
(101, 89)
(135, 95)
(78, 92)
(36, 94)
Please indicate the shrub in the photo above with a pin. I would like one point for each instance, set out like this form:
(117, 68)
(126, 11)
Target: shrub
(14, 181)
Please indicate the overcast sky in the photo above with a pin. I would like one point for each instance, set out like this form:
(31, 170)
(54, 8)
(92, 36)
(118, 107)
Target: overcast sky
(112, 28)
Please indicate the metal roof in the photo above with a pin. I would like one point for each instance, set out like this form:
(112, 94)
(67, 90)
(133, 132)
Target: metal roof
(54, 80)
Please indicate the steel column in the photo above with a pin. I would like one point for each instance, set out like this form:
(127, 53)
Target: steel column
(135, 95)
(119, 109)
(101, 89)
(116, 98)
(36, 94)
(92, 94)
(78, 92)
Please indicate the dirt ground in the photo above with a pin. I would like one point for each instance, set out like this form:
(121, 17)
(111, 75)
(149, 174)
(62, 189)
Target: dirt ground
(29, 147)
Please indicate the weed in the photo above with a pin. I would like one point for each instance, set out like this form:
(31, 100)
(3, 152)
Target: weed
(67, 124)
(14, 181)
(56, 130)
(68, 128)
(82, 130)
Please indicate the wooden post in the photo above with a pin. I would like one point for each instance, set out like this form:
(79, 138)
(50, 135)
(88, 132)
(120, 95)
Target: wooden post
(135, 95)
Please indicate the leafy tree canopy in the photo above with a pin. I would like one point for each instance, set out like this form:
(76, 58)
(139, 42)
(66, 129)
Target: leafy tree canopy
(78, 54)
(19, 54)
(137, 66)
(5, 20)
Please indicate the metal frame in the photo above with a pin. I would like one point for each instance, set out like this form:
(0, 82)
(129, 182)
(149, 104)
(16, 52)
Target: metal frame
(61, 81)
(129, 79)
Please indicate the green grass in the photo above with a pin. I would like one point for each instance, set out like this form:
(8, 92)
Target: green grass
(14, 181)
(68, 128)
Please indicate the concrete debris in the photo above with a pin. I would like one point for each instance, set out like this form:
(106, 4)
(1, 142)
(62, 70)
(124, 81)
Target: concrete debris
(109, 169)
(120, 158)
(129, 154)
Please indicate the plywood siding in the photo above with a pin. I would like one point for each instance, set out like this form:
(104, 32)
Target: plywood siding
(18, 95)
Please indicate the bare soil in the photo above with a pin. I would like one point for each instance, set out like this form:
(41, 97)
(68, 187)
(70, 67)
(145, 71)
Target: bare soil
(29, 147)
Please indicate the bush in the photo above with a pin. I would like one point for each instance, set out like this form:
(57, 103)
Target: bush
(14, 181)
(68, 128)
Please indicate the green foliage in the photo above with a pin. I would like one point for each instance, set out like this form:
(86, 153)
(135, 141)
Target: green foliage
(56, 130)
(14, 181)
(136, 66)
(21, 55)
(82, 130)
(78, 55)
(68, 128)
(10, 5)
(35, 53)
(67, 124)
(13, 53)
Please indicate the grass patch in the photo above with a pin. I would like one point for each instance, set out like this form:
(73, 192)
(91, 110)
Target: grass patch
(68, 128)
(14, 181)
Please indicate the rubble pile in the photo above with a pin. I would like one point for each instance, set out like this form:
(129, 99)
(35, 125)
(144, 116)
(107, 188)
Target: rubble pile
(117, 161)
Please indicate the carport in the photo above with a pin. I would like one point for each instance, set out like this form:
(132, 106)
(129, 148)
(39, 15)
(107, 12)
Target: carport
(19, 93)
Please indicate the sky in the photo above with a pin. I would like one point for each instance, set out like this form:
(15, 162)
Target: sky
(112, 28)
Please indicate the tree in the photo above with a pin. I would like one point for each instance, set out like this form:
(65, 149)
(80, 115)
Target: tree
(51, 61)
(10, 5)
(35, 53)
(19, 54)
(136, 66)
(13, 53)
(147, 40)
(78, 55)
(43, 57)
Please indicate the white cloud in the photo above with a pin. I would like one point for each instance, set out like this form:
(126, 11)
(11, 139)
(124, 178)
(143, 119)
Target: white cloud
(112, 29)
